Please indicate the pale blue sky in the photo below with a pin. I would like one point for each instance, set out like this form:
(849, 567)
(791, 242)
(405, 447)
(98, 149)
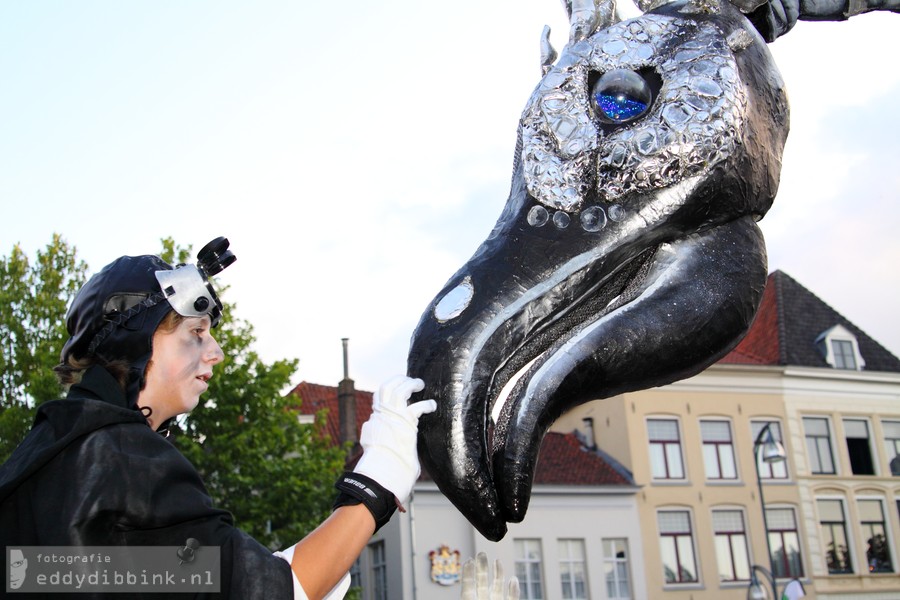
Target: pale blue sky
(356, 159)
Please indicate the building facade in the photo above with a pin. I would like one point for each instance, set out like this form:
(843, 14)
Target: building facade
(661, 494)
(831, 395)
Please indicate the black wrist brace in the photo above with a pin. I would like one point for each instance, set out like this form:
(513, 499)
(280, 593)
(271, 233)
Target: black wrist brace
(355, 489)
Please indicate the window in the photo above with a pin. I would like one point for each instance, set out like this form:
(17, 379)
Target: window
(784, 540)
(844, 358)
(731, 545)
(776, 470)
(665, 449)
(834, 536)
(718, 450)
(856, 432)
(615, 567)
(676, 543)
(379, 571)
(874, 532)
(818, 446)
(528, 569)
(840, 349)
(572, 570)
(892, 445)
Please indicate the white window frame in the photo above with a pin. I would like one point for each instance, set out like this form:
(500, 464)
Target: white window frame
(839, 333)
(831, 438)
(613, 562)
(568, 564)
(666, 443)
(525, 582)
(718, 450)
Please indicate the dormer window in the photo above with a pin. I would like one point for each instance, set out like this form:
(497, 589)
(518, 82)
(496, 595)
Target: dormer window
(840, 349)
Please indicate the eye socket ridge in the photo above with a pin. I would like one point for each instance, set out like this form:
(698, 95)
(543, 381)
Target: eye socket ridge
(620, 96)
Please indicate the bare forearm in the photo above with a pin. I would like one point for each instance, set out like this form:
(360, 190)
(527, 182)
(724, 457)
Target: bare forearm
(325, 555)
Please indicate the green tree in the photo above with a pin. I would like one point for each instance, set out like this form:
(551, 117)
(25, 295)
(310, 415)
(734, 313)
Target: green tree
(33, 302)
(274, 474)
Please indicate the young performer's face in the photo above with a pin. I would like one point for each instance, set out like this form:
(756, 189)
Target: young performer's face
(179, 368)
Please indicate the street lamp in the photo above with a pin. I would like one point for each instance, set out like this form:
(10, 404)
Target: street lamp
(770, 451)
(793, 589)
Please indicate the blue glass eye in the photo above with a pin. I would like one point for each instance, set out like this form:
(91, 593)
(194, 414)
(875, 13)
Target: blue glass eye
(621, 96)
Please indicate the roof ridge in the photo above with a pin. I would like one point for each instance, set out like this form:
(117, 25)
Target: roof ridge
(777, 275)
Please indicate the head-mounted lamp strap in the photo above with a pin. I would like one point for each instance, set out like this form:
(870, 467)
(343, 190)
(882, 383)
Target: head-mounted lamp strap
(189, 293)
(120, 318)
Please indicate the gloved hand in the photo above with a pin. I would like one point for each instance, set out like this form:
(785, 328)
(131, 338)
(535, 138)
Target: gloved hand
(475, 581)
(389, 436)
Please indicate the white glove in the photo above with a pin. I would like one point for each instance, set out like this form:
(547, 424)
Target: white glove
(389, 436)
(475, 581)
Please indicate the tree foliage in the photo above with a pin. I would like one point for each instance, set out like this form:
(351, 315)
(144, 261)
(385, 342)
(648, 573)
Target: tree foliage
(33, 302)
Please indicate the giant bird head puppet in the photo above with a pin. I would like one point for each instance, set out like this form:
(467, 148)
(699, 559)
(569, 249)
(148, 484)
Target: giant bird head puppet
(627, 255)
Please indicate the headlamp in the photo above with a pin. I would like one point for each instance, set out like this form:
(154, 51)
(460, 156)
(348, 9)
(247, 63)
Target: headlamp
(187, 287)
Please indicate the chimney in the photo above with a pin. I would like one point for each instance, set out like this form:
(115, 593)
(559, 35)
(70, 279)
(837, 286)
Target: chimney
(589, 440)
(347, 405)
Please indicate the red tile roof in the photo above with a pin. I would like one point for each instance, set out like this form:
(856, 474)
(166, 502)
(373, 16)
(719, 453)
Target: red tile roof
(315, 397)
(563, 459)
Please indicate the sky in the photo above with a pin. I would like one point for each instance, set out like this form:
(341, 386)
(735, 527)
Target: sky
(356, 159)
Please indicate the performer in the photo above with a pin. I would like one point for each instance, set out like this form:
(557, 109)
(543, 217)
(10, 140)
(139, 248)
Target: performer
(95, 471)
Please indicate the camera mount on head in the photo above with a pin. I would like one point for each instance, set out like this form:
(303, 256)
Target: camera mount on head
(187, 287)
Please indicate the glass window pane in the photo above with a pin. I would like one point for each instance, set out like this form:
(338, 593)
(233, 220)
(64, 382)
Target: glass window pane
(792, 546)
(686, 554)
(891, 429)
(669, 558)
(727, 459)
(657, 461)
(854, 428)
(780, 518)
(830, 510)
(674, 522)
(711, 462)
(815, 426)
(663, 429)
(715, 431)
(870, 510)
(723, 558)
(778, 469)
(673, 457)
(741, 558)
(812, 452)
(824, 452)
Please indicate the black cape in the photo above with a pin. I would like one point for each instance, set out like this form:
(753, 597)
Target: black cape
(92, 473)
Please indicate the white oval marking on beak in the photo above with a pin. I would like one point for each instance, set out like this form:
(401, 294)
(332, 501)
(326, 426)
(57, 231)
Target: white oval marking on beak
(455, 301)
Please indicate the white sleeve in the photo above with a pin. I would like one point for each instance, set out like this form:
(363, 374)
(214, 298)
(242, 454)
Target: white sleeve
(336, 593)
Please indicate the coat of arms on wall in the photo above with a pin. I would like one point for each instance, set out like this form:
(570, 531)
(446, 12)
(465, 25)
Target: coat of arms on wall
(445, 569)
